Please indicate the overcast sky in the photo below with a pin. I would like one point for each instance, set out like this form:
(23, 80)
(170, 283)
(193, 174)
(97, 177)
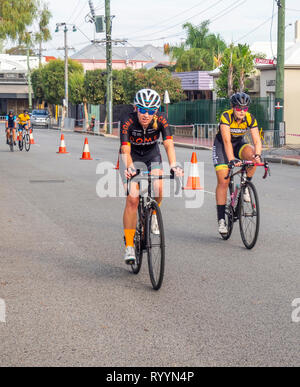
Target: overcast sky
(160, 21)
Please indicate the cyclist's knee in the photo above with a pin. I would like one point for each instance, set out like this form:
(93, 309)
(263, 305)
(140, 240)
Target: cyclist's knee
(132, 202)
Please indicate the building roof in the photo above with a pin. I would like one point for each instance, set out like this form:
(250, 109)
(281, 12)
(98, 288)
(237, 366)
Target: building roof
(195, 80)
(146, 53)
(17, 62)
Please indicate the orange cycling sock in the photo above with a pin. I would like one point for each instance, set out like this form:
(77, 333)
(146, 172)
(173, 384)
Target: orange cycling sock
(129, 237)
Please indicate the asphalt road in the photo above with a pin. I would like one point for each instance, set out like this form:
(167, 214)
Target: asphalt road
(71, 301)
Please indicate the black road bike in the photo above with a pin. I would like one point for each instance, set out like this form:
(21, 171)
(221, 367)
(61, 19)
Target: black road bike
(246, 212)
(145, 240)
(11, 140)
(24, 140)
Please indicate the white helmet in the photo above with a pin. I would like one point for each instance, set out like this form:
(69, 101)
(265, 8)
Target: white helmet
(147, 98)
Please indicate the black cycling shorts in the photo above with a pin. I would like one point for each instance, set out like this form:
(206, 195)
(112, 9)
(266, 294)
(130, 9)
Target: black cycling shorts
(147, 161)
(220, 159)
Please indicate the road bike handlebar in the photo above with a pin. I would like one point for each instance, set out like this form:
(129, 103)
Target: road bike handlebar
(146, 175)
(247, 163)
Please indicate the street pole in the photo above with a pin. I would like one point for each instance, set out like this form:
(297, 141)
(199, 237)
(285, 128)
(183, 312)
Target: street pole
(279, 94)
(109, 93)
(66, 74)
(29, 80)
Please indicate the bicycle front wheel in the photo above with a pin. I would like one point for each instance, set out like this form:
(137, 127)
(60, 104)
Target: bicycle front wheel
(138, 244)
(249, 216)
(155, 247)
(27, 142)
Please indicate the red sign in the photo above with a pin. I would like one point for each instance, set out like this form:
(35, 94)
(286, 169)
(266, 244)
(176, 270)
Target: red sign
(264, 61)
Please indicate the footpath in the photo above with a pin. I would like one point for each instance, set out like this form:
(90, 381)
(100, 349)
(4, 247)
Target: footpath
(289, 154)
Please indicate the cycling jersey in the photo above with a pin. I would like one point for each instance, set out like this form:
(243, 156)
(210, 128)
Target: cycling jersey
(237, 130)
(143, 141)
(23, 119)
(11, 121)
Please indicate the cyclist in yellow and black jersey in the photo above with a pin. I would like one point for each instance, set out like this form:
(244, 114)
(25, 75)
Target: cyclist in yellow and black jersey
(230, 147)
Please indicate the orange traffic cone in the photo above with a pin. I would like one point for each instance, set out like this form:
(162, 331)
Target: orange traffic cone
(31, 137)
(62, 148)
(117, 167)
(193, 182)
(86, 151)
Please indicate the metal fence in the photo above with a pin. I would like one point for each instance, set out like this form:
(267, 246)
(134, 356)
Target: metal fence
(209, 112)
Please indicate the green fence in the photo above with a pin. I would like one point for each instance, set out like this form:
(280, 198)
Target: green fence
(209, 112)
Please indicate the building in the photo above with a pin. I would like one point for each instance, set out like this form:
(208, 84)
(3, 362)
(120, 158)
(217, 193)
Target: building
(291, 88)
(196, 84)
(93, 57)
(13, 82)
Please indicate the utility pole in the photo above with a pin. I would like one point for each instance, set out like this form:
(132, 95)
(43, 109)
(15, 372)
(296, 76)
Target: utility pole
(29, 76)
(109, 89)
(66, 73)
(66, 49)
(279, 94)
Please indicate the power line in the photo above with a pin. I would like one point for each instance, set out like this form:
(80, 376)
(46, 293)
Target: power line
(271, 28)
(175, 25)
(220, 14)
(75, 9)
(230, 8)
(256, 28)
(173, 17)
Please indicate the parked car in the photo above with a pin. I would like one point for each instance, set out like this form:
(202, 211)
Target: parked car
(40, 118)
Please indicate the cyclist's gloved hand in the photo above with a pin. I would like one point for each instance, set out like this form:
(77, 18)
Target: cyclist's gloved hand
(234, 163)
(177, 171)
(257, 158)
(130, 172)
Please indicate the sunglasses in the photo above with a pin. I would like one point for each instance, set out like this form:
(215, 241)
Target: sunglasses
(144, 111)
(240, 109)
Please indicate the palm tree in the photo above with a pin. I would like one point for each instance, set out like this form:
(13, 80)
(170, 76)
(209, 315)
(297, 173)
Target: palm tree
(44, 34)
(244, 63)
(199, 50)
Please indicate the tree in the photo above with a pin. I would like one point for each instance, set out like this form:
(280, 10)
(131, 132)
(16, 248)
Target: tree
(15, 16)
(18, 50)
(245, 60)
(237, 65)
(37, 84)
(43, 35)
(200, 50)
(78, 92)
(53, 79)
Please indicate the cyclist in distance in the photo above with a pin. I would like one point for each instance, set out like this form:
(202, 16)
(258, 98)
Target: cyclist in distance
(230, 147)
(11, 124)
(24, 121)
(140, 132)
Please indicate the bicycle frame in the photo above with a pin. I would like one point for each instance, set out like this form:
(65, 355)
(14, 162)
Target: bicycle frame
(235, 193)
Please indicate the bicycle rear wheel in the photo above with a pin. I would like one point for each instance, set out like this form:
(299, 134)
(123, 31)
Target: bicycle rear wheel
(138, 244)
(156, 248)
(249, 216)
(26, 139)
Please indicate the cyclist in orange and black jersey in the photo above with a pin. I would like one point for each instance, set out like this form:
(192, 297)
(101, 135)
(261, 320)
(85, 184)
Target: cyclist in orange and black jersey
(140, 132)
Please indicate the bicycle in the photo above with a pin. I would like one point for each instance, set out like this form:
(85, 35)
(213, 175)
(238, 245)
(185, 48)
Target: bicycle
(144, 240)
(24, 138)
(11, 140)
(247, 213)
